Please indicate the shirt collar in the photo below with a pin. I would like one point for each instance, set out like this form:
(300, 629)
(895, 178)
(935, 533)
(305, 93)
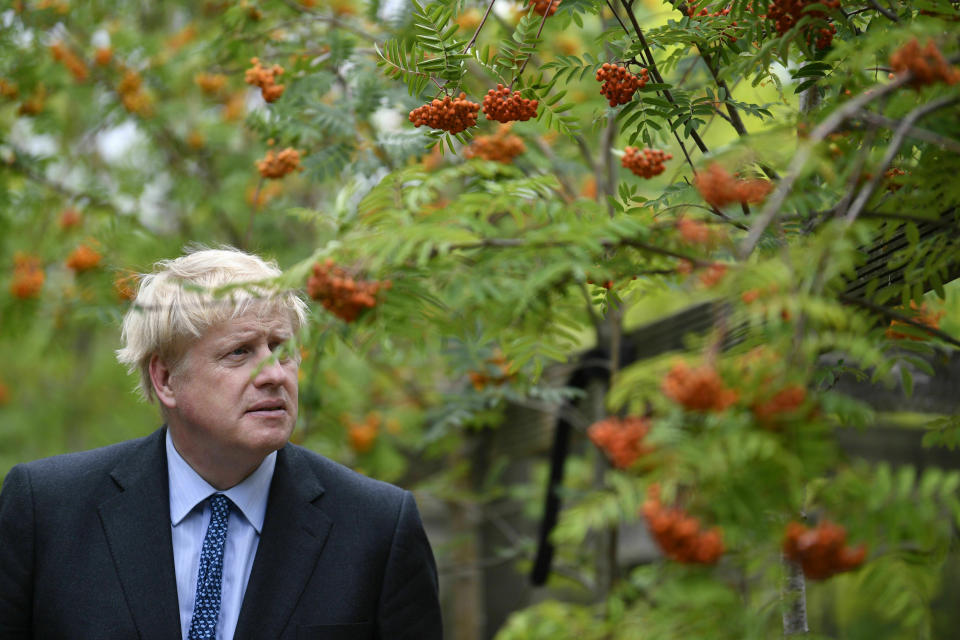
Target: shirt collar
(188, 489)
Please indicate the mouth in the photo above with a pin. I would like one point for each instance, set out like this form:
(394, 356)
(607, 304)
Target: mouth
(268, 408)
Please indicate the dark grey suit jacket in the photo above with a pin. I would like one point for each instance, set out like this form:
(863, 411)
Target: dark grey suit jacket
(86, 552)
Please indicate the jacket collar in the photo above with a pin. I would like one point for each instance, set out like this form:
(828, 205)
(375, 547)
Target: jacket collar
(137, 525)
(136, 522)
(294, 532)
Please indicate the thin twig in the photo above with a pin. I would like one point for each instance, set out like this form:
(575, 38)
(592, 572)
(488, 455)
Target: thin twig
(617, 16)
(834, 120)
(652, 66)
(520, 243)
(332, 20)
(899, 137)
(914, 132)
(899, 317)
(476, 33)
(546, 14)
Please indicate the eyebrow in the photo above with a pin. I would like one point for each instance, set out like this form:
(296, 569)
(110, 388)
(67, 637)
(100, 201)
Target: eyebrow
(246, 335)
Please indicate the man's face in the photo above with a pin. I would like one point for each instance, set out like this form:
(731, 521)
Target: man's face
(233, 402)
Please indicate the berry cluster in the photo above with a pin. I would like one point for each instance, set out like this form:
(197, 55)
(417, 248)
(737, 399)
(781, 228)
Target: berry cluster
(692, 12)
(619, 85)
(679, 534)
(102, 56)
(69, 59)
(211, 83)
(926, 64)
(621, 439)
(698, 389)
(500, 147)
(69, 218)
(787, 13)
(890, 175)
(28, 276)
(134, 99)
(821, 551)
(713, 274)
(922, 315)
(497, 373)
(9, 89)
(83, 258)
(363, 435)
(35, 103)
(265, 78)
(453, 115)
(645, 163)
(719, 189)
(277, 165)
(540, 6)
(784, 402)
(694, 232)
(500, 105)
(341, 294)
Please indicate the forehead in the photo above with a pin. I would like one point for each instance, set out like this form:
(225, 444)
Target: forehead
(250, 325)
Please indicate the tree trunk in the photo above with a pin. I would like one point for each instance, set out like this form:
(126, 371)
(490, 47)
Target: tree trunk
(794, 599)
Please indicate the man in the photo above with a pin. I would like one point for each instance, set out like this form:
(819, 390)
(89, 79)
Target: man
(214, 526)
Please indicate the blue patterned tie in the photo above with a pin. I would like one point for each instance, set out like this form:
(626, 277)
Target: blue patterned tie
(206, 605)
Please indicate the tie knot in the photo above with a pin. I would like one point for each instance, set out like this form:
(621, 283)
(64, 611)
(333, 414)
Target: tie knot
(219, 506)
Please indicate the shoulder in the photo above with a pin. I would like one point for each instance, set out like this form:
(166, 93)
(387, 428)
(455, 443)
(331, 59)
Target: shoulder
(342, 484)
(72, 469)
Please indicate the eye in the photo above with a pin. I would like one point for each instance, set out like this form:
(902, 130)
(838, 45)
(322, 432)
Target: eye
(239, 351)
(283, 347)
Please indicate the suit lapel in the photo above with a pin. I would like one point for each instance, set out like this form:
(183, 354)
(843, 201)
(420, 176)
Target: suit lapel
(294, 532)
(137, 526)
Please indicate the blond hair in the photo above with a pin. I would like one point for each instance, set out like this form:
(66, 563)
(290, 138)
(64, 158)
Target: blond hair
(185, 296)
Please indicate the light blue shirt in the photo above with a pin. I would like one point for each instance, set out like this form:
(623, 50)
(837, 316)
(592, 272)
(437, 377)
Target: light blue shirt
(189, 516)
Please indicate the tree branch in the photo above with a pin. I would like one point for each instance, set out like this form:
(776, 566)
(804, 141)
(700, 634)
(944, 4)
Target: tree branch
(884, 12)
(520, 243)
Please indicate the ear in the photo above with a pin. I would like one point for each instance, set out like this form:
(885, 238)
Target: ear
(160, 374)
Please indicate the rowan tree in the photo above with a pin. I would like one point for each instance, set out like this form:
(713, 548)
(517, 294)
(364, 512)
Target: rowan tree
(755, 154)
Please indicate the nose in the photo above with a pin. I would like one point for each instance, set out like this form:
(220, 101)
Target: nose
(270, 372)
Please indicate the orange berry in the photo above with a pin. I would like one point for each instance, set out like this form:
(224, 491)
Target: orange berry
(83, 258)
(102, 56)
(619, 84)
(341, 294)
(645, 163)
(362, 437)
(276, 165)
(70, 218)
(699, 389)
(453, 115)
(499, 147)
(501, 105)
(927, 64)
(28, 276)
(542, 6)
(265, 78)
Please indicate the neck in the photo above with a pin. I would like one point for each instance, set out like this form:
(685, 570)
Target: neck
(221, 471)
